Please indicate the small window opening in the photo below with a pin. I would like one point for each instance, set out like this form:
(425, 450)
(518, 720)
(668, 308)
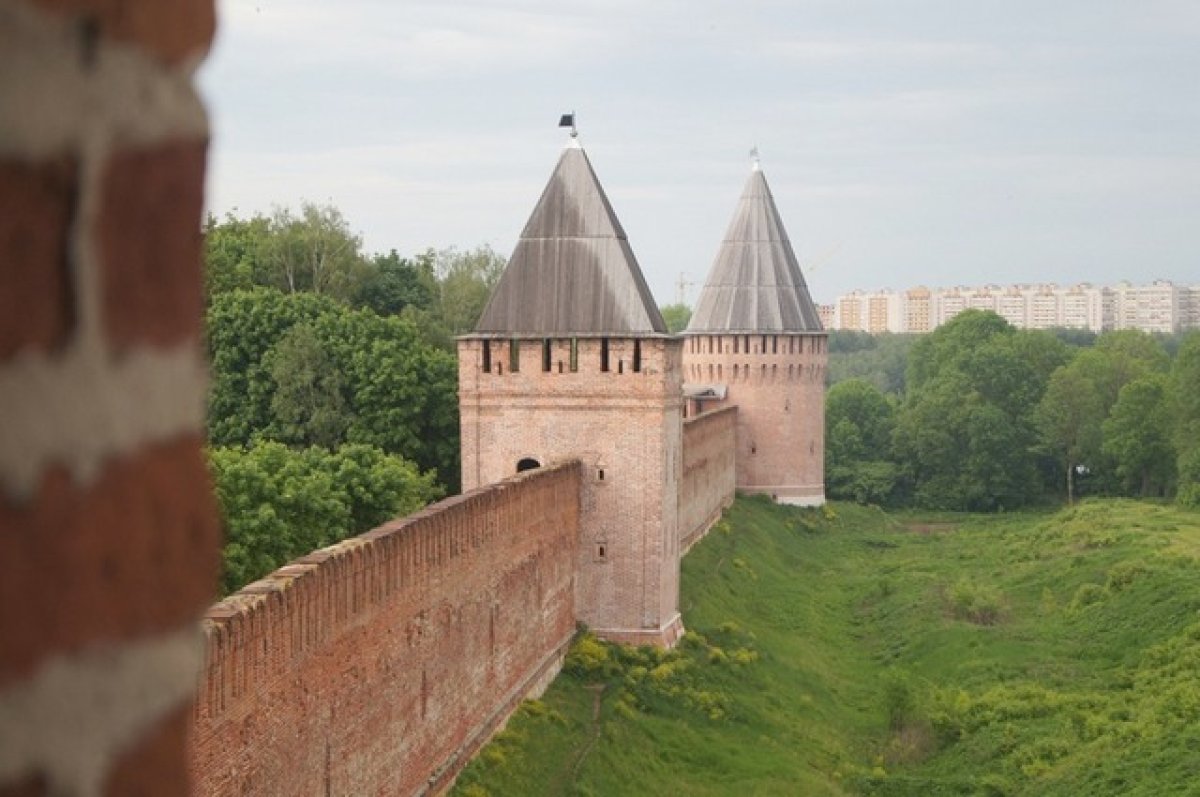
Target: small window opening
(600, 474)
(487, 356)
(604, 354)
(560, 366)
(774, 344)
(574, 355)
(735, 345)
(545, 354)
(514, 355)
(601, 551)
(764, 344)
(746, 344)
(637, 356)
(528, 463)
(753, 448)
(620, 366)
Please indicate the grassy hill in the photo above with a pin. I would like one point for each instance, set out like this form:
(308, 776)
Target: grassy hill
(845, 651)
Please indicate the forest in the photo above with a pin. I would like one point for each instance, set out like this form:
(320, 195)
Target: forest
(981, 416)
(333, 402)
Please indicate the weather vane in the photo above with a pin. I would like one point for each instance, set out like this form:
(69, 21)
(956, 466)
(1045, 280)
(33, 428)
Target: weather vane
(568, 120)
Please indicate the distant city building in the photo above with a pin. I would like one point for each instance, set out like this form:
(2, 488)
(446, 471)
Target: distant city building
(1161, 306)
(869, 312)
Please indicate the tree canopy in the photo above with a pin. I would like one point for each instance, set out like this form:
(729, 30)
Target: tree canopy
(333, 401)
(990, 417)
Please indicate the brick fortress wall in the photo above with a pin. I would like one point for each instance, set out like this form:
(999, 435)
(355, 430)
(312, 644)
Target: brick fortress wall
(777, 383)
(709, 475)
(108, 530)
(380, 664)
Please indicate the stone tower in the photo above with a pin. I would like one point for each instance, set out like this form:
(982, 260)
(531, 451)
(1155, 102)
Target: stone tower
(571, 359)
(755, 340)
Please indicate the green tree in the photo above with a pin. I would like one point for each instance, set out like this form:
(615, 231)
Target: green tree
(279, 503)
(399, 392)
(1137, 436)
(314, 251)
(1185, 409)
(859, 422)
(466, 280)
(231, 252)
(964, 433)
(393, 283)
(676, 316)
(879, 359)
(307, 405)
(1068, 418)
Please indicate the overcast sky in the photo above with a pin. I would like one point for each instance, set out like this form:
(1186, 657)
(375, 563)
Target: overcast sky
(906, 141)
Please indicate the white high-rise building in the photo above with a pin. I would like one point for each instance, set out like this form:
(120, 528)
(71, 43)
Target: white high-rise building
(1159, 307)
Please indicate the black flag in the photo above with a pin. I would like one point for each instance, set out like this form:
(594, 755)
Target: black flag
(567, 120)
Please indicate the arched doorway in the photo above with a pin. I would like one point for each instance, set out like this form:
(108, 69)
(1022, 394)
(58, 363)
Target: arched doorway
(528, 463)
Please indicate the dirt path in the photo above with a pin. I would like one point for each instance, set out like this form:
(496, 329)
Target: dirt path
(568, 774)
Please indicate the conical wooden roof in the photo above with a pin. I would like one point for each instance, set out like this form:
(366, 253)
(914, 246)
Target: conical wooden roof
(572, 272)
(755, 284)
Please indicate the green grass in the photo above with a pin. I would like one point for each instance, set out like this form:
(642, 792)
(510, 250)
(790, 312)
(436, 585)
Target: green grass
(846, 651)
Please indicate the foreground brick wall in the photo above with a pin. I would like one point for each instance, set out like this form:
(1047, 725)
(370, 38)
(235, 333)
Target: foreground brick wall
(378, 665)
(108, 533)
(709, 475)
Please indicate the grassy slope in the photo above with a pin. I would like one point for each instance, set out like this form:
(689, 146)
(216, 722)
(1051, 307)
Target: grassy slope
(876, 655)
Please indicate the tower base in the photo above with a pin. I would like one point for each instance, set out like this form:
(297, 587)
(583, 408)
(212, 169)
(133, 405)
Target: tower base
(788, 494)
(666, 636)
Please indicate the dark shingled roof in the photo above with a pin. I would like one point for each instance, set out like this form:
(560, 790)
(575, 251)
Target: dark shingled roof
(755, 284)
(572, 272)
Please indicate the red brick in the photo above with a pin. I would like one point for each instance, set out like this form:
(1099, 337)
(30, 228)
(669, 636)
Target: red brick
(778, 387)
(37, 202)
(156, 766)
(169, 30)
(148, 231)
(134, 553)
(375, 665)
(625, 425)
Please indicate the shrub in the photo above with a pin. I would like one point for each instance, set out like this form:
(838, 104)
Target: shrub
(976, 603)
(589, 658)
(1086, 595)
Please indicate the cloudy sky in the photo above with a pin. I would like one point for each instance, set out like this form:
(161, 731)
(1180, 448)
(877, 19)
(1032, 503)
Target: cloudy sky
(906, 141)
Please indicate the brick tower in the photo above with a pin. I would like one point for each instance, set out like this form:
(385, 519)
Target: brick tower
(755, 340)
(571, 359)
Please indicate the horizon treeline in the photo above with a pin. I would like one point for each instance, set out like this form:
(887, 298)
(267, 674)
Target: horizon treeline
(979, 415)
(333, 404)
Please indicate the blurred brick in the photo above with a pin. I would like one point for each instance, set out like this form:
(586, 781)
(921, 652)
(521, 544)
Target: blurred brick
(28, 787)
(37, 201)
(169, 30)
(134, 553)
(148, 231)
(157, 765)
